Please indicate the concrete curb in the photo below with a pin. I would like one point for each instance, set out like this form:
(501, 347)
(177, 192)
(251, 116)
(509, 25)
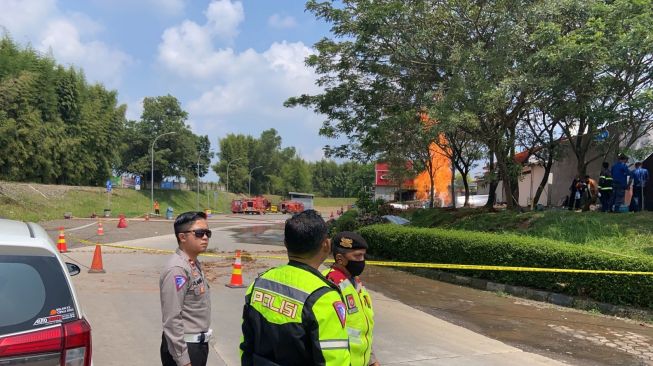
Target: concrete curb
(539, 295)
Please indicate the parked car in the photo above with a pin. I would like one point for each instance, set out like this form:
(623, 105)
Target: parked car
(41, 321)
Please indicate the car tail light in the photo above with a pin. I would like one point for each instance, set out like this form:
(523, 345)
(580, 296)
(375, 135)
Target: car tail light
(72, 339)
(42, 341)
(76, 344)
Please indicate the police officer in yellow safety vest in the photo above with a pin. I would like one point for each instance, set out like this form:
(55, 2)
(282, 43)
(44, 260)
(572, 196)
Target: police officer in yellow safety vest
(293, 316)
(349, 251)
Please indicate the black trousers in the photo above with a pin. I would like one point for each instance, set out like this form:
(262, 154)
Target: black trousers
(198, 352)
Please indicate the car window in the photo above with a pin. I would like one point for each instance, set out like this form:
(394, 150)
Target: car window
(34, 293)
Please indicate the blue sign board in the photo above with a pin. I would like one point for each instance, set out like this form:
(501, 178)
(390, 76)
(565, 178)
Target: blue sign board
(108, 185)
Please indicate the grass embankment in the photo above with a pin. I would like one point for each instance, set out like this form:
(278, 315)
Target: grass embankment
(39, 202)
(626, 234)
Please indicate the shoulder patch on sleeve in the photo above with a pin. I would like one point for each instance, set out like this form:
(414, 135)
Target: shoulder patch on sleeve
(341, 310)
(180, 281)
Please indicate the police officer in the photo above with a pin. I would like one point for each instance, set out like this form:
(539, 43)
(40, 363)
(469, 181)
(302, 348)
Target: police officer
(349, 251)
(293, 316)
(185, 297)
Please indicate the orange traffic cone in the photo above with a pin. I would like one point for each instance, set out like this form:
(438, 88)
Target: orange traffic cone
(96, 265)
(236, 273)
(122, 223)
(61, 242)
(100, 229)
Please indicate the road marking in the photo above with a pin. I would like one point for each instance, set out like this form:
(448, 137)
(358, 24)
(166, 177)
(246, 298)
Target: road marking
(81, 227)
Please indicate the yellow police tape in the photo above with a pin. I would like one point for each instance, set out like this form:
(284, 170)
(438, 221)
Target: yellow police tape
(401, 264)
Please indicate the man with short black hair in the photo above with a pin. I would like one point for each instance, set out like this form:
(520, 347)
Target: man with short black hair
(293, 316)
(185, 297)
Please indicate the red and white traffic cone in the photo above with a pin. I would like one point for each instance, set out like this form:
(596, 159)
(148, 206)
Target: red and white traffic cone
(236, 273)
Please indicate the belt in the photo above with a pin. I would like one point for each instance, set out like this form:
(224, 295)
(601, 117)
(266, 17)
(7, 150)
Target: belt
(202, 337)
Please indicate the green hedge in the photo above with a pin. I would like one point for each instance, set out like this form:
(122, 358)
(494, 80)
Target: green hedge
(409, 244)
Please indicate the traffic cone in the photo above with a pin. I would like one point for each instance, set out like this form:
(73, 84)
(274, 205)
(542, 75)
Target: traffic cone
(61, 242)
(96, 265)
(100, 229)
(122, 223)
(236, 273)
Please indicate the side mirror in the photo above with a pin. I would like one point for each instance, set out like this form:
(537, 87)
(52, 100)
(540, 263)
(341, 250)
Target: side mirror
(73, 269)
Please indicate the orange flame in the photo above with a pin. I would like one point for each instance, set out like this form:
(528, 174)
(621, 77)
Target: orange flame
(441, 166)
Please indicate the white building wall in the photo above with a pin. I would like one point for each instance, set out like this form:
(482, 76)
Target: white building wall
(385, 192)
(528, 183)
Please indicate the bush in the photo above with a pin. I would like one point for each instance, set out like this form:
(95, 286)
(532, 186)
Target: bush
(408, 244)
(346, 222)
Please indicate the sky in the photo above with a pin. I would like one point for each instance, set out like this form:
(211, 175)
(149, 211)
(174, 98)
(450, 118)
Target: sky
(230, 63)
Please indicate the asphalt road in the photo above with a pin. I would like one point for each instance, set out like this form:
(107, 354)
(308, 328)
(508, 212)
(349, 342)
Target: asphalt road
(419, 321)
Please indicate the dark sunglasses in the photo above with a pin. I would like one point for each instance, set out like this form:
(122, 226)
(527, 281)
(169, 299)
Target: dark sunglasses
(199, 233)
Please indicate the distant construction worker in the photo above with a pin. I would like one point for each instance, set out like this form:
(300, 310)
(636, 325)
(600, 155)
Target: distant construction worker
(293, 316)
(639, 179)
(349, 251)
(156, 208)
(605, 187)
(185, 297)
(620, 175)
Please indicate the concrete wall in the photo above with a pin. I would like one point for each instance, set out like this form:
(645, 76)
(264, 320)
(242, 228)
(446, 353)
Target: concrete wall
(564, 172)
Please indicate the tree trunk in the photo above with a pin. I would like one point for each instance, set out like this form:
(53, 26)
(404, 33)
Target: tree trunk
(453, 185)
(466, 185)
(543, 182)
(510, 185)
(432, 190)
(492, 190)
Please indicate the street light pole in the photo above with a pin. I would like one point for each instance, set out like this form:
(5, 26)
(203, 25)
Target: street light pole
(249, 188)
(228, 171)
(152, 171)
(198, 179)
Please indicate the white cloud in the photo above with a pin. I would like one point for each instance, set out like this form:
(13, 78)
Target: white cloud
(224, 17)
(280, 21)
(23, 18)
(242, 92)
(134, 109)
(66, 35)
(99, 61)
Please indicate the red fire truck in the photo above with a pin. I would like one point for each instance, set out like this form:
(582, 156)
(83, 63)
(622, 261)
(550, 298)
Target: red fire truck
(255, 205)
(291, 207)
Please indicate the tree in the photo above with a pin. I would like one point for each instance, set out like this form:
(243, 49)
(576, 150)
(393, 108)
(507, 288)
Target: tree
(174, 155)
(598, 56)
(55, 127)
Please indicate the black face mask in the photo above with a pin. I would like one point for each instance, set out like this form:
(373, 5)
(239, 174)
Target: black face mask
(355, 268)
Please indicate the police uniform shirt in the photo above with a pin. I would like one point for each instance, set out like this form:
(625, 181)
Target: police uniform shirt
(185, 303)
